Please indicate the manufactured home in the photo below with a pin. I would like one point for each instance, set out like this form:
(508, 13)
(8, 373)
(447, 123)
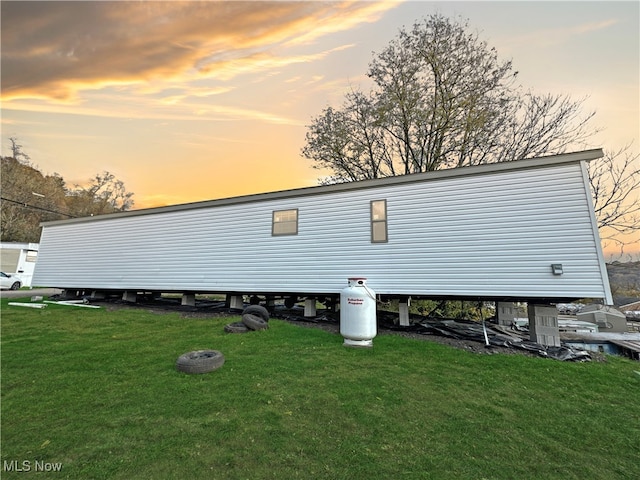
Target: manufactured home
(513, 231)
(19, 260)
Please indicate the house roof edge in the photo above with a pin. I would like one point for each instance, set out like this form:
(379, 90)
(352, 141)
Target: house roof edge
(527, 163)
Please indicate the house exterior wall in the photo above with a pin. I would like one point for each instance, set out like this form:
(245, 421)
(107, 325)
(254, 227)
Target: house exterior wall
(9, 259)
(493, 234)
(19, 259)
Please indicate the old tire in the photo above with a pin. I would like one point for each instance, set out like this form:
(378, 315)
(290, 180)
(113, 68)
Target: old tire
(258, 311)
(236, 327)
(200, 361)
(254, 322)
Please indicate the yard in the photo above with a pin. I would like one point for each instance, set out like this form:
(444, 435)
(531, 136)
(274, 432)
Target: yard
(95, 394)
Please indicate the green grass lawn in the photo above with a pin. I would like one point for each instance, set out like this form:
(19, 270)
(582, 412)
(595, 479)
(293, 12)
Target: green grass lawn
(97, 392)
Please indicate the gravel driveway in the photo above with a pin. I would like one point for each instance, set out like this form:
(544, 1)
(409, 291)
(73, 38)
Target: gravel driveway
(44, 292)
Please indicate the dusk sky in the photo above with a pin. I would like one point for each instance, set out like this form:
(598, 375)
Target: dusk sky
(189, 101)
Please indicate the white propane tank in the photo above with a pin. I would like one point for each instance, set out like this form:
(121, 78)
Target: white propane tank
(358, 323)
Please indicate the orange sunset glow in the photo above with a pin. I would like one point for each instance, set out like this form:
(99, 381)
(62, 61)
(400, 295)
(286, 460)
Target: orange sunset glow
(189, 101)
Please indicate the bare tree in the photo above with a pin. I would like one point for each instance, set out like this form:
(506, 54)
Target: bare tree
(441, 92)
(17, 153)
(441, 98)
(542, 125)
(349, 142)
(104, 194)
(615, 186)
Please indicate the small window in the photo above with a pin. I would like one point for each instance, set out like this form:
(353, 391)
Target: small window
(285, 222)
(378, 221)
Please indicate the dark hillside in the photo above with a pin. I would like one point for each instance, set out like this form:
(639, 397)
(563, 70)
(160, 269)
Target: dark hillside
(625, 281)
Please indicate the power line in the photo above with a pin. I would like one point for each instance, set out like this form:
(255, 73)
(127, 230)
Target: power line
(34, 207)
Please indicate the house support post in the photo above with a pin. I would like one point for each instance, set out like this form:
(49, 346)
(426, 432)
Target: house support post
(506, 312)
(236, 302)
(98, 295)
(130, 296)
(310, 307)
(543, 325)
(403, 310)
(333, 305)
(189, 299)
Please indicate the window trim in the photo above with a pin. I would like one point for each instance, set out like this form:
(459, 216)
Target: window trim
(273, 222)
(378, 221)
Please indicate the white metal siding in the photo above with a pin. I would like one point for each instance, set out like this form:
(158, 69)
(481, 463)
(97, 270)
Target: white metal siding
(489, 235)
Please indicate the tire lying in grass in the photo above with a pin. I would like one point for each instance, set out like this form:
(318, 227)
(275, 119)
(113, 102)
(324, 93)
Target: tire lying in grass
(254, 322)
(258, 311)
(236, 327)
(200, 361)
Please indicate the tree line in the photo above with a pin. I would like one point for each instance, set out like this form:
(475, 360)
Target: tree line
(30, 197)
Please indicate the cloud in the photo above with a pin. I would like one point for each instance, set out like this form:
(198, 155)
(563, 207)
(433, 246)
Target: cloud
(342, 17)
(592, 27)
(186, 93)
(227, 70)
(152, 110)
(57, 50)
